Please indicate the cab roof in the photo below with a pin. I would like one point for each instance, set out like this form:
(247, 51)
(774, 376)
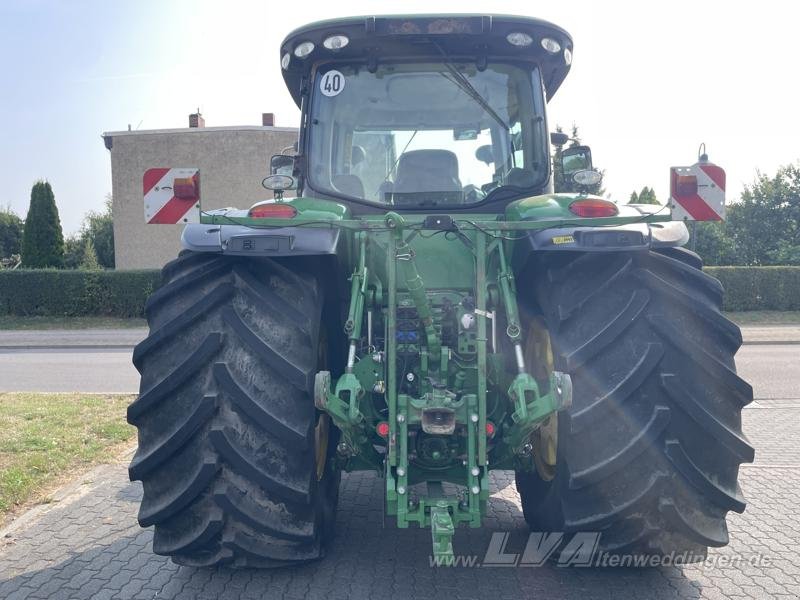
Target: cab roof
(470, 36)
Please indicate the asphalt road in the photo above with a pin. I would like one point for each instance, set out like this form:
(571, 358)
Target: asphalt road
(770, 368)
(102, 370)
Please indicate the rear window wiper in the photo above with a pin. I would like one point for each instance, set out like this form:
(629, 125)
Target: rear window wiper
(463, 83)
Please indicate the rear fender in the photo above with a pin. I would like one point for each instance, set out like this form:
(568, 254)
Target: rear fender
(256, 240)
(574, 238)
(634, 236)
(236, 240)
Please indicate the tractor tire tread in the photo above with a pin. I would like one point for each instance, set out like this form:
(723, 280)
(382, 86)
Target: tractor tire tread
(225, 415)
(649, 451)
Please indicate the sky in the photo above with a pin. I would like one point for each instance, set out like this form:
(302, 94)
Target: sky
(650, 81)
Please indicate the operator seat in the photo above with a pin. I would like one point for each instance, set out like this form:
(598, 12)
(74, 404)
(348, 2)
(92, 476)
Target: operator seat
(349, 184)
(427, 171)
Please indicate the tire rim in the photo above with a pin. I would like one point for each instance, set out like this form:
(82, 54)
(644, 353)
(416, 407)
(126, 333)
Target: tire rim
(321, 437)
(323, 427)
(539, 354)
(545, 448)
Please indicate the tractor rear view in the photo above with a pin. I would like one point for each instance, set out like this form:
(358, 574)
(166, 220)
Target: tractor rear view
(416, 301)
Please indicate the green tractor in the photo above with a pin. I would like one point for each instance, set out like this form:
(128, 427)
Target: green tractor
(418, 302)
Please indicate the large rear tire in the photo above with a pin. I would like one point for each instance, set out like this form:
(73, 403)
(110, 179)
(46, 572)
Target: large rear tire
(649, 452)
(226, 417)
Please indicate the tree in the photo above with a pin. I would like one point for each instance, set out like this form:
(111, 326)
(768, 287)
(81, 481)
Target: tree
(712, 242)
(646, 196)
(763, 228)
(99, 228)
(73, 252)
(89, 260)
(97, 231)
(11, 228)
(43, 240)
(560, 183)
(765, 224)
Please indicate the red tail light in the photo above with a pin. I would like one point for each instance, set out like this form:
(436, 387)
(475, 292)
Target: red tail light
(184, 188)
(593, 207)
(273, 210)
(686, 185)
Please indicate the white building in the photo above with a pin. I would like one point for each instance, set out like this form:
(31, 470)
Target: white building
(232, 162)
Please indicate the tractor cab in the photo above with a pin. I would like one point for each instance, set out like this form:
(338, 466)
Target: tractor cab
(405, 113)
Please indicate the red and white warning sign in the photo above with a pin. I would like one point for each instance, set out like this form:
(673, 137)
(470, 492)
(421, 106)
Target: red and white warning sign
(697, 193)
(171, 196)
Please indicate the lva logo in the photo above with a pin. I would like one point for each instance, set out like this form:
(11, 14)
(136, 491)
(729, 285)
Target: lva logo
(578, 550)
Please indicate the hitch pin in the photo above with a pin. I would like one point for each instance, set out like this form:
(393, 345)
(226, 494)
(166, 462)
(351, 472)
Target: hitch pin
(491, 316)
(520, 357)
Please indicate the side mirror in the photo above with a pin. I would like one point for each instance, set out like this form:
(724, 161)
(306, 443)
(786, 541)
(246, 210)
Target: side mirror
(281, 164)
(576, 166)
(281, 168)
(574, 159)
(558, 139)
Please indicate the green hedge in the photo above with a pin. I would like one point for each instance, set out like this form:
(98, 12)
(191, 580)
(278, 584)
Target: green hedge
(759, 288)
(50, 292)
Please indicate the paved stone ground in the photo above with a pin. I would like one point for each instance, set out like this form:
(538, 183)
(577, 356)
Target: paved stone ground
(88, 545)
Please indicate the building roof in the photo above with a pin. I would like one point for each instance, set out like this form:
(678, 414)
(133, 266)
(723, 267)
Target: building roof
(109, 135)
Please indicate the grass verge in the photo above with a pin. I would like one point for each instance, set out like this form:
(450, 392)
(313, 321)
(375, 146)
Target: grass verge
(46, 439)
(15, 322)
(765, 317)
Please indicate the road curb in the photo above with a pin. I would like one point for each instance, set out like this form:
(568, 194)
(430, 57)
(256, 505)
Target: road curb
(68, 347)
(69, 339)
(97, 347)
(771, 342)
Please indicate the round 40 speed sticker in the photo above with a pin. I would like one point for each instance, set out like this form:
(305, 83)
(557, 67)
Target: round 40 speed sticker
(331, 83)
